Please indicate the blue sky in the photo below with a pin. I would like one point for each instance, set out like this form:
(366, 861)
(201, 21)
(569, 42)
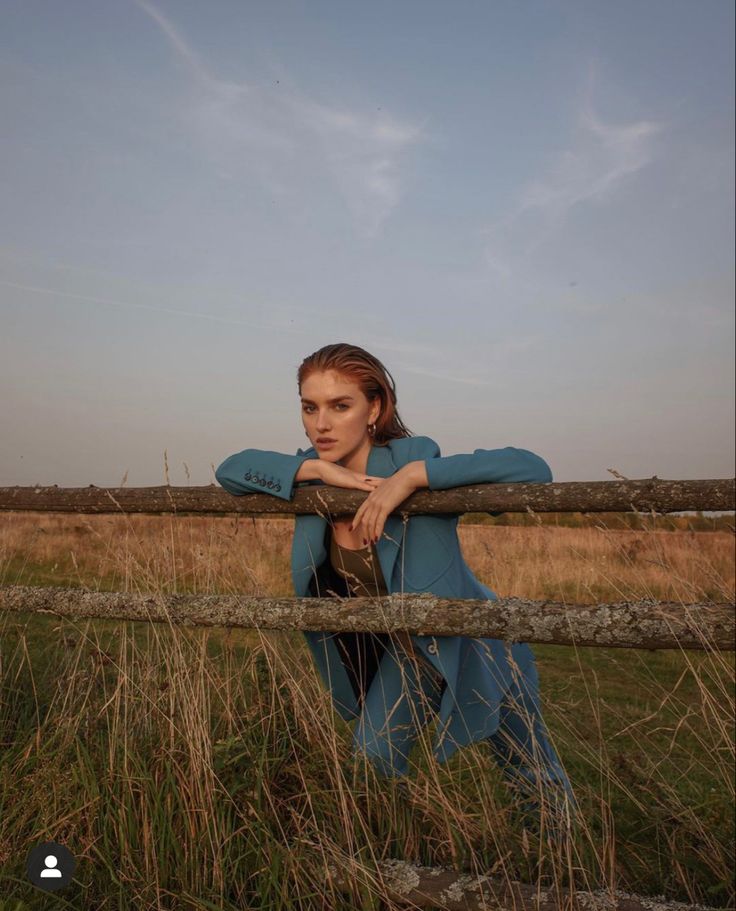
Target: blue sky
(525, 209)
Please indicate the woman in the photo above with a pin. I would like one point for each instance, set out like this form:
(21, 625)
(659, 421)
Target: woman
(482, 689)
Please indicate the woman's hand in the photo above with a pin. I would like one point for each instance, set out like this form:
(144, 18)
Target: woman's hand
(339, 476)
(378, 505)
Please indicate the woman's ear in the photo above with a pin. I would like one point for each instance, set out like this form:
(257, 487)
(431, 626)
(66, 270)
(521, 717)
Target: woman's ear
(375, 411)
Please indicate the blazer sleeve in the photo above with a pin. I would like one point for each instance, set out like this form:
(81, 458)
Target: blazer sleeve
(262, 471)
(483, 466)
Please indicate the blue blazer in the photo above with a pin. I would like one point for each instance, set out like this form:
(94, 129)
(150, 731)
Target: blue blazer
(420, 555)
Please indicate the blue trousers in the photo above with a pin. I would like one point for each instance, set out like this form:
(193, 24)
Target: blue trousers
(406, 693)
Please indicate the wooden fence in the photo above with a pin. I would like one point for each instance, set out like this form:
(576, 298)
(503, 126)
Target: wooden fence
(642, 624)
(639, 624)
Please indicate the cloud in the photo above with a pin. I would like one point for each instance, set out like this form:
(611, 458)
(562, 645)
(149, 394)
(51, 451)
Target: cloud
(602, 156)
(598, 161)
(290, 141)
(449, 377)
(281, 322)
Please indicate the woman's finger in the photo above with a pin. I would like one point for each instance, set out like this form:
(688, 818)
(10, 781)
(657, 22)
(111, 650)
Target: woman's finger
(360, 514)
(357, 518)
(366, 520)
(373, 527)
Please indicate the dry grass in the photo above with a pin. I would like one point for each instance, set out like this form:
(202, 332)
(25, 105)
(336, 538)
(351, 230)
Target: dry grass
(219, 554)
(207, 769)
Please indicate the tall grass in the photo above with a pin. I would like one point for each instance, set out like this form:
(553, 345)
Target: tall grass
(190, 768)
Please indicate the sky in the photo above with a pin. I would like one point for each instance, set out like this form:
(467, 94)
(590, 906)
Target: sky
(525, 209)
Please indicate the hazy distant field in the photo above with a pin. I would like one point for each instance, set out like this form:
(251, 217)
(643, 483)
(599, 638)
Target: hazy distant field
(205, 769)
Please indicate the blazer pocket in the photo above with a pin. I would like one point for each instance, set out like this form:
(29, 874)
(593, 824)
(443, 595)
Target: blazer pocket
(426, 556)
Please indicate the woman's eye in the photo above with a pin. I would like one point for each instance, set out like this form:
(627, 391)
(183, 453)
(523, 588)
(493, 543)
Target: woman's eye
(310, 408)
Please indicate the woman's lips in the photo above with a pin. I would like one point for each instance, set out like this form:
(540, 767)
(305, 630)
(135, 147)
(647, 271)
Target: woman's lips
(326, 443)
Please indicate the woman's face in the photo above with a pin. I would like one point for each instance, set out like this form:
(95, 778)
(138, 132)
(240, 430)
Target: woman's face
(335, 408)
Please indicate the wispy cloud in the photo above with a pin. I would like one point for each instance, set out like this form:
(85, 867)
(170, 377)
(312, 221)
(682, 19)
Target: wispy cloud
(601, 157)
(453, 377)
(476, 364)
(291, 141)
(281, 322)
(599, 160)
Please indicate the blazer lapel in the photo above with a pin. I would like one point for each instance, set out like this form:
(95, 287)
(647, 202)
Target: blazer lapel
(309, 551)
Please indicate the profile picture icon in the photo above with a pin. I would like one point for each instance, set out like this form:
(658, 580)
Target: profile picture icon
(50, 870)
(50, 866)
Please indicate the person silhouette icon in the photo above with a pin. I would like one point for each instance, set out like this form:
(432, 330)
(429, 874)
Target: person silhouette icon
(50, 866)
(50, 863)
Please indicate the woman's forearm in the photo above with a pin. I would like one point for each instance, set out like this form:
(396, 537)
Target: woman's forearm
(309, 470)
(417, 473)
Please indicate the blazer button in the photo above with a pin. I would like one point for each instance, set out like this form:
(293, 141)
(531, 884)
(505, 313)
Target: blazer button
(262, 482)
(277, 487)
(270, 484)
(247, 476)
(432, 648)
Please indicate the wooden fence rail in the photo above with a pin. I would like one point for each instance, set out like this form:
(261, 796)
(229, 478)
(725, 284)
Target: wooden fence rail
(408, 885)
(640, 624)
(662, 496)
(651, 625)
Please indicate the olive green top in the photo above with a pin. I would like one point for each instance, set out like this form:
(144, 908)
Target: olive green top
(362, 572)
(360, 569)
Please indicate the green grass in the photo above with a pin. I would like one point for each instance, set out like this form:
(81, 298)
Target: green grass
(183, 771)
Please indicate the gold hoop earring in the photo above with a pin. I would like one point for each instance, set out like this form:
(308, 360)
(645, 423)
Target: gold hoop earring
(372, 429)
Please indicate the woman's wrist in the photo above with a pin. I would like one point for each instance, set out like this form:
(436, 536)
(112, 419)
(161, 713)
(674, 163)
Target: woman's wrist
(309, 470)
(416, 473)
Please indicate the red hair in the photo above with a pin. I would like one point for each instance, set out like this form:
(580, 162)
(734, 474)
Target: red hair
(374, 380)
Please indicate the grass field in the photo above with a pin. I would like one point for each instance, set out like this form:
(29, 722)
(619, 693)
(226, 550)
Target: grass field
(190, 768)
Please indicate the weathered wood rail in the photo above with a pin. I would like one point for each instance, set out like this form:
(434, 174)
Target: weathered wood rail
(406, 885)
(640, 624)
(656, 494)
(651, 625)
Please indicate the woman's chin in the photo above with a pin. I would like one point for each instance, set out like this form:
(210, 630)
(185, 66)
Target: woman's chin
(326, 455)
